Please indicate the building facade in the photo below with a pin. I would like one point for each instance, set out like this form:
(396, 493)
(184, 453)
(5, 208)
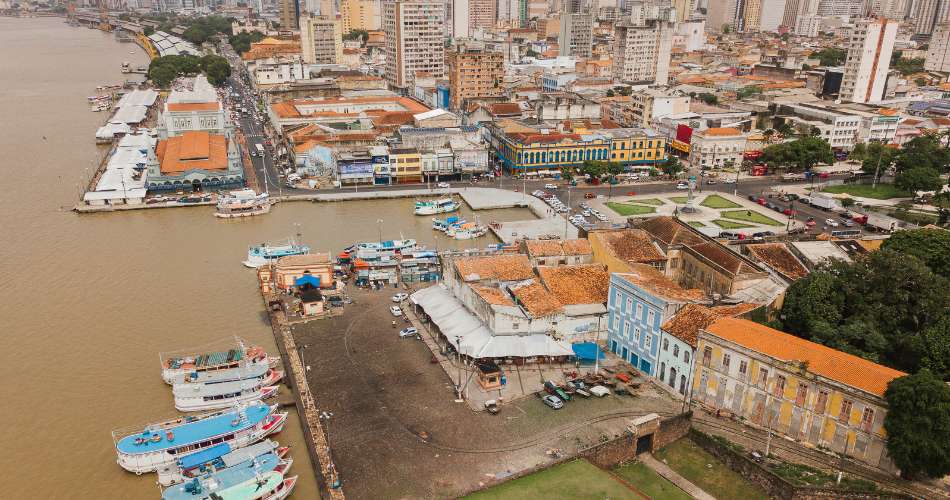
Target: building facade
(938, 53)
(289, 11)
(473, 72)
(321, 39)
(359, 15)
(717, 148)
(414, 31)
(869, 58)
(576, 35)
(642, 53)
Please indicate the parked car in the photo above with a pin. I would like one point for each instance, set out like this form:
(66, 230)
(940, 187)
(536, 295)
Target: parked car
(710, 181)
(831, 222)
(588, 196)
(395, 310)
(728, 235)
(761, 201)
(399, 297)
(810, 222)
(729, 181)
(763, 234)
(442, 185)
(408, 332)
(550, 186)
(682, 185)
(599, 391)
(847, 223)
(789, 212)
(553, 401)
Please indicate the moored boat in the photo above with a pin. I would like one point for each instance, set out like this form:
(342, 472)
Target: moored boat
(204, 486)
(203, 397)
(439, 206)
(202, 363)
(242, 203)
(388, 245)
(161, 444)
(469, 231)
(266, 486)
(259, 368)
(267, 252)
(214, 459)
(443, 225)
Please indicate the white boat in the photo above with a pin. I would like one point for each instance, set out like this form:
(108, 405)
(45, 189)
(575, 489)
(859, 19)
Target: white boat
(443, 225)
(242, 203)
(213, 396)
(267, 252)
(388, 245)
(206, 485)
(175, 367)
(469, 231)
(440, 206)
(270, 485)
(161, 444)
(217, 458)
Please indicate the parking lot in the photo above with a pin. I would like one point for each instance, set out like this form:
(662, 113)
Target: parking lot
(395, 430)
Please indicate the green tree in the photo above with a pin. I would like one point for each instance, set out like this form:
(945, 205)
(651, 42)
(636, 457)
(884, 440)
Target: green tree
(801, 154)
(919, 179)
(832, 56)
(909, 66)
(218, 72)
(357, 34)
(748, 91)
(785, 129)
(933, 348)
(859, 152)
(923, 151)
(610, 92)
(847, 202)
(672, 166)
(196, 34)
(148, 30)
(918, 424)
(162, 76)
(708, 98)
(931, 246)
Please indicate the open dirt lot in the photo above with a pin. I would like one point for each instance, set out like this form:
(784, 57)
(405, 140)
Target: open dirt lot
(395, 431)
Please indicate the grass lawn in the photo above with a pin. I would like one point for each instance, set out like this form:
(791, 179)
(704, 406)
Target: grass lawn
(574, 480)
(882, 192)
(703, 470)
(750, 216)
(679, 200)
(716, 201)
(728, 224)
(696, 223)
(647, 201)
(628, 209)
(802, 475)
(649, 482)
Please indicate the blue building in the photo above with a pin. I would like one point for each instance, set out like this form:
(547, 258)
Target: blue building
(638, 303)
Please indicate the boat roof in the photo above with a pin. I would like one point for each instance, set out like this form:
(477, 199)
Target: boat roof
(223, 479)
(251, 488)
(191, 432)
(204, 456)
(249, 452)
(195, 389)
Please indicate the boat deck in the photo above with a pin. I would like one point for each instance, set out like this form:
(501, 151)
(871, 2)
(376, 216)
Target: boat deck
(194, 431)
(208, 359)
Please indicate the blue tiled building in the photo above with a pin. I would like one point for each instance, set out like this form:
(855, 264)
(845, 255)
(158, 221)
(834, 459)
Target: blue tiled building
(639, 302)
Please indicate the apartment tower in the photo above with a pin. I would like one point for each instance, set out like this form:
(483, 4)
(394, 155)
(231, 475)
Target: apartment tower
(869, 58)
(474, 72)
(321, 39)
(414, 31)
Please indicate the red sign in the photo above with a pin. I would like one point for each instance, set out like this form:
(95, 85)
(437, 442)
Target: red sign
(752, 155)
(684, 133)
(760, 169)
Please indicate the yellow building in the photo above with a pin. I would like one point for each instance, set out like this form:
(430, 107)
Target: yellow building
(531, 151)
(360, 15)
(405, 165)
(805, 391)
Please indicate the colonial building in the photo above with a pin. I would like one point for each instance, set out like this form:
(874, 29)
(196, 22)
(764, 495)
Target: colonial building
(799, 389)
(289, 270)
(717, 148)
(558, 252)
(196, 161)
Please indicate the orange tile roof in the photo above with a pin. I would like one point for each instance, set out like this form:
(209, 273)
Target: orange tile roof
(180, 107)
(494, 267)
(685, 325)
(778, 257)
(492, 295)
(822, 360)
(536, 299)
(720, 131)
(655, 282)
(550, 248)
(582, 284)
(193, 150)
(630, 245)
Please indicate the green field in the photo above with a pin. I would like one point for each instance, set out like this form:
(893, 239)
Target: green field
(628, 209)
(716, 201)
(647, 201)
(679, 200)
(649, 482)
(749, 216)
(573, 480)
(881, 192)
(802, 475)
(709, 474)
(727, 224)
(696, 223)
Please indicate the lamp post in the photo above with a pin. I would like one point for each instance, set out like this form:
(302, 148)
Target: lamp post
(458, 363)
(379, 229)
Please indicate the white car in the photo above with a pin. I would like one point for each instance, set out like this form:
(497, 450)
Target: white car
(550, 186)
(682, 185)
(408, 332)
(442, 185)
(395, 310)
(602, 217)
(729, 181)
(832, 222)
(399, 297)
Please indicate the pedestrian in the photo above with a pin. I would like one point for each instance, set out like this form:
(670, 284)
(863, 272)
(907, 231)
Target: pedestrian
(394, 323)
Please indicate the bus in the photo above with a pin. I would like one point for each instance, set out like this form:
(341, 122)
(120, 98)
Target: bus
(846, 233)
(260, 149)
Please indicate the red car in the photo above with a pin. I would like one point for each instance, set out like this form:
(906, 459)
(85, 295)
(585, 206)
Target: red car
(789, 212)
(810, 223)
(761, 201)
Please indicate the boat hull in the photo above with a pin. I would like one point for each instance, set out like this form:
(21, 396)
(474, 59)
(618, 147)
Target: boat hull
(187, 404)
(261, 210)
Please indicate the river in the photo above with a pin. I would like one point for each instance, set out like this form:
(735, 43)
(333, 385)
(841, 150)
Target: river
(88, 301)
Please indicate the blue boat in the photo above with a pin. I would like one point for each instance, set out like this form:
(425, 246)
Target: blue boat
(267, 252)
(442, 225)
(204, 486)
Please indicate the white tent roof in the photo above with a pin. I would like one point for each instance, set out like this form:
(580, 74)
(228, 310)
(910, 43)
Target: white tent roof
(462, 327)
(129, 114)
(138, 98)
(109, 130)
(118, 181)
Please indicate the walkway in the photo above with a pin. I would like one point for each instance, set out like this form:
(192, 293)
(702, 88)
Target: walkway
(671, 476)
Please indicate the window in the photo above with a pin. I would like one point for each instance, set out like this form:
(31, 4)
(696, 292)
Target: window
(821, 402)
(636, 333)
(666, 344)
(743, 367)
(726, 359)
(662, 371)
(779, 388)
(639, 311)
(763, 377)
(802, 394)
(845, 412)
(867, 419)
(629, 305)
(707, 356)
(676, 351)
(626, 329)
(686, 356)
(617, 298)
(650, 317)
(514, 326)
(649, 342)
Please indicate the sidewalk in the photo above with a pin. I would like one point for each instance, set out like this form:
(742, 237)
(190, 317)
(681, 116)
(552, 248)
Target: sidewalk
(671, 476)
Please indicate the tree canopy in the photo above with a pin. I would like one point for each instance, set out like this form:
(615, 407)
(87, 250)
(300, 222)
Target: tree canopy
(877, 307)
(200, 29)
(923, 151)
(918, 424)
(672, 166)
(831, 56)
(357, 34)
(598, 169)
(909, 66)
(163, 70)
(241, 42)
(801, 154)
(931, 246)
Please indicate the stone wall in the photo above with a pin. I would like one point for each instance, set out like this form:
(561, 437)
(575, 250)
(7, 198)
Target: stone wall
(774, 485)
(672, 429)
(610, 454)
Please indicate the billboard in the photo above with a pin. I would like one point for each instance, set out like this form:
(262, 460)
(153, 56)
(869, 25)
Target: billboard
(684, 133)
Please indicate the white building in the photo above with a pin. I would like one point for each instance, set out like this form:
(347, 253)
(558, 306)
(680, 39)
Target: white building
(772, 14)
(938, 54)
(414, 32)
(840, 128)
(576, 35)
(321, 39)
(869, 58)
(196, 109)
(717, 148)
(642, 52)
(279, 70)
(123, 180)
(807, 25)
(692, 33)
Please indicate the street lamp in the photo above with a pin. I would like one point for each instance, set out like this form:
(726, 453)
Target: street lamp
(379, 229)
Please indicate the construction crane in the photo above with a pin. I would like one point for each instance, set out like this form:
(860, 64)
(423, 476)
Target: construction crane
(104, 24)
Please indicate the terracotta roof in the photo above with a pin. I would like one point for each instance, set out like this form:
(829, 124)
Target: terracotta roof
(720, 131)
(654, 282)
(180, 107)
(310, 259)
(530, 138)
(736, 309)
(685, 325)
(536, 299)
(583, 284)
(193, 150)
(504, 108)
(289, 108)
(725, 258)
(492, 295)
(822, 360)
(550, 248)
(778, 257)
(631, 245)
(494, 267)
(671, 231)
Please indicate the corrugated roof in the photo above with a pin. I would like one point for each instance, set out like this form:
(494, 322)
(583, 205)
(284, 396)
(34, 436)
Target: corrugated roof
(720, 131)
(630, 245)
(310, 259)
(492, 295)
(583, 284)
(822, 360)
(550, 248)
(494, 267)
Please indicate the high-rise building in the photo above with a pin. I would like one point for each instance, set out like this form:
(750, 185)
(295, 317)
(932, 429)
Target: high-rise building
(457, 18)
(751, 15)
(848, 8)
(772, 13)
(473, 72)
(891, 9)
(938, 54)
(807, 21)
(359, 15)
(321, 39)
(576, 35)
(414, 31)
(482, 13)
(642, 51)
(721, 13)
(929, 13)
(790, 14)
(289, 13)
(684, 9)
(869, 57)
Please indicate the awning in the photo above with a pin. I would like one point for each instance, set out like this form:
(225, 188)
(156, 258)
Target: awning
(586, 351)
(307, 279)
(218, 450)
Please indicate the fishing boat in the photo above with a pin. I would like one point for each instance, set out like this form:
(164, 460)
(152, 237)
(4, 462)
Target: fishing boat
(204, 363)
(242, 203)
(439, 206)
(443, 225)
(469, 231)
(202, 487)
(267, 252)
(161, 444)
(265, 486)
(204, 397)
(388, 245)
(258, 369)
(215, 459)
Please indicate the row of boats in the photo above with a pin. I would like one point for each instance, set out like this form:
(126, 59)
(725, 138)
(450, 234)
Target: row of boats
(224, 454)
(458, 228)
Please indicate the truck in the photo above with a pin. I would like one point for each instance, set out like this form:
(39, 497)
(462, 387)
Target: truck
(824, 202)
(883, 222)
(793, 177)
